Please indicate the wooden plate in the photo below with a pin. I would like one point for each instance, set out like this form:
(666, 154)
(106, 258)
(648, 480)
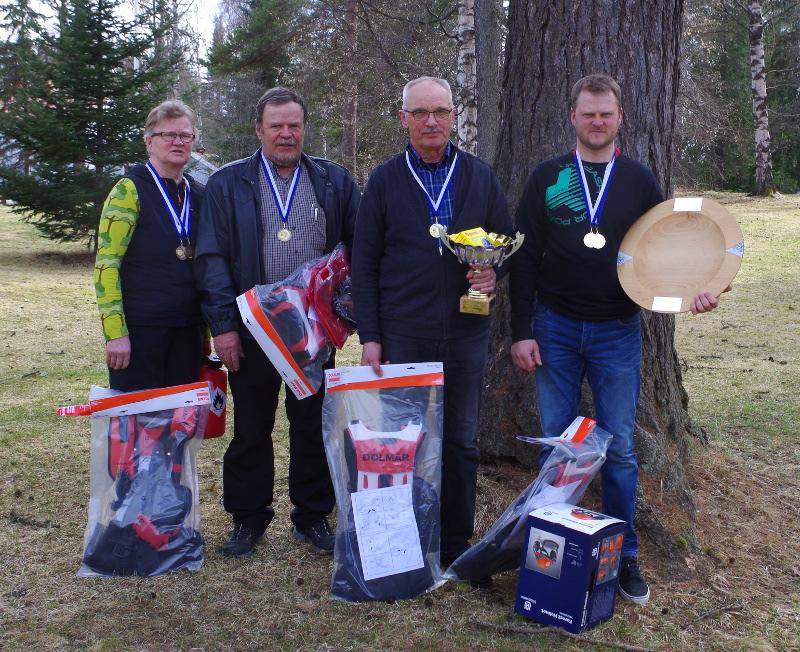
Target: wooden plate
(677, 249)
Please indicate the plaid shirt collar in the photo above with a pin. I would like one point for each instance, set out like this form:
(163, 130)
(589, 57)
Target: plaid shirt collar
(433, 178)
(419, 164)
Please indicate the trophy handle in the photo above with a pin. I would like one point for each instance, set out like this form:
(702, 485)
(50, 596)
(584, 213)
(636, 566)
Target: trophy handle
(516, 243)
(446, 239)
(519, 238)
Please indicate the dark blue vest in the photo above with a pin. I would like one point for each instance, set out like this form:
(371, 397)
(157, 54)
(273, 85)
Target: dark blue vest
(157, 288)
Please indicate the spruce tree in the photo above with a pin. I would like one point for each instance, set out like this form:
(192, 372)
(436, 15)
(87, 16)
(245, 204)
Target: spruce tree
(87, 86)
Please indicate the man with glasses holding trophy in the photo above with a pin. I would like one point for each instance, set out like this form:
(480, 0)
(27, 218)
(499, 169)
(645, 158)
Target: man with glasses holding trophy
(406, 286)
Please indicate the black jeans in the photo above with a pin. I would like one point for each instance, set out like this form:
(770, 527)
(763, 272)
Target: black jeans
(161, 356)
(248, 471)
(463, 362)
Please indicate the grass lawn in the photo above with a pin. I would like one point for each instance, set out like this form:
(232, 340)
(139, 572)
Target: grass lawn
(740, 369)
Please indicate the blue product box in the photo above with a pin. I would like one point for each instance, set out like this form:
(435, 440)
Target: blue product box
(570, 567)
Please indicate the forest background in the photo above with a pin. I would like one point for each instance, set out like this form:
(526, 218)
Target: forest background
(77, 77)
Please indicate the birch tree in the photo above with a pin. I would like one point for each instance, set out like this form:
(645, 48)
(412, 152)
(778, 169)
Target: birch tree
(758, 76)
(466, 78)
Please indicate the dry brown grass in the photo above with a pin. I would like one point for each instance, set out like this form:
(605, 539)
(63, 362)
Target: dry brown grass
(742, 594)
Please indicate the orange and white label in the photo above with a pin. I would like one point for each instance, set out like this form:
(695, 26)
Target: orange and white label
(417, 374)
(271, 343)
(578, 429)
(107, 403)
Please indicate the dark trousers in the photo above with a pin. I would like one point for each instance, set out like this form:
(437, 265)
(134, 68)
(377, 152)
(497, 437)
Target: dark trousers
(161, 356)
(248, 471)
(463, 361)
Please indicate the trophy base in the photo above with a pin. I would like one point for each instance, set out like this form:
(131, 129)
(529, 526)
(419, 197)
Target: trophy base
(476, 305)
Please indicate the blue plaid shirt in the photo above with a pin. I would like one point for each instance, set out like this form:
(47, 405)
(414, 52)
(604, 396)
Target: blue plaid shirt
(432, 177)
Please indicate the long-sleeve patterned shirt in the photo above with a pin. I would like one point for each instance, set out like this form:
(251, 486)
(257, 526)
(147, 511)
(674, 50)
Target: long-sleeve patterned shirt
(117, 224)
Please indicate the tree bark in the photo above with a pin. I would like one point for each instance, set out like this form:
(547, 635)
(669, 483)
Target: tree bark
(465, 78)
(487, 83)
(765, 185)
(550, 46)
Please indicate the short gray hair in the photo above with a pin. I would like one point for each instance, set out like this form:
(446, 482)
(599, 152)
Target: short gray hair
(168, 110)
(279, 96)
(420, 80)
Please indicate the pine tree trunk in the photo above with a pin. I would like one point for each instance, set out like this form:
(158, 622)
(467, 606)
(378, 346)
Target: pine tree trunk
(550, 46)
(487, 82)
(465, 78)
(765, 184)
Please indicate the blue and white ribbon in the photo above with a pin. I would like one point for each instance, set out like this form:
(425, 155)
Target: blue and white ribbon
(182, 220)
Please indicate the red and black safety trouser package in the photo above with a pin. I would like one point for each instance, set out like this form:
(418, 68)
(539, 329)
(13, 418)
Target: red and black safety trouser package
(383, 440)
(144, 516)
(576, 457)
(295, 321)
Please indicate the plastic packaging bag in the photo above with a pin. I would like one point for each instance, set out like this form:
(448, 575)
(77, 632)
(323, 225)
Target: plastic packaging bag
(576, 458)
(295, 323)
(383, 440)
(144, 516)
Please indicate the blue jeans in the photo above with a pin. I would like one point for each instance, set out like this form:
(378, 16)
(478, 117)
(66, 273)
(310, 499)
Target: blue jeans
(463, 361)
(609, 353)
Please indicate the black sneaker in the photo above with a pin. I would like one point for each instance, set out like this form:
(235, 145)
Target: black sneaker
(632, 586)
(242, 541)
(318, 534)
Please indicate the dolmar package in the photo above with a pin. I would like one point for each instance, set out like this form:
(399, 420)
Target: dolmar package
(576, 458)
(144, 516)
(383, 440)
(295, 322)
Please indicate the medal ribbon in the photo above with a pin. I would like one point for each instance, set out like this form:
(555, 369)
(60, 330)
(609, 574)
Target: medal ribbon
(283, 209)
(181, 221)
(435, 205)
(595, 210)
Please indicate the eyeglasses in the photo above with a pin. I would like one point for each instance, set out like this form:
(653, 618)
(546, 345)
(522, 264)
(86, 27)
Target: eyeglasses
(421, 115)
(170, 136)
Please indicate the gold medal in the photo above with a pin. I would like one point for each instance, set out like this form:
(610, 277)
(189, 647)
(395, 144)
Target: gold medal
(284, 235)
(435, 230)
(180, 252)
(588, 240)
(599, 241)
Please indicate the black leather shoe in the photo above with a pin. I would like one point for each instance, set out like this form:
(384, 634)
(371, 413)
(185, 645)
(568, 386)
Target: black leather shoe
(242, 541)
(632, 586)
(318, 534)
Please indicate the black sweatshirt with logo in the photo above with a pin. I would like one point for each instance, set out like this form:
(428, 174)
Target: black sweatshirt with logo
(554, 265)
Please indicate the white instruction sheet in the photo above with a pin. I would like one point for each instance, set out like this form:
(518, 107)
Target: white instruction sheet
(386, 529)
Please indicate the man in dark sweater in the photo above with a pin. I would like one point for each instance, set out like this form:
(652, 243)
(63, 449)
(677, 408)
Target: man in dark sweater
(569, 314)
(263, 217)
(406, 289)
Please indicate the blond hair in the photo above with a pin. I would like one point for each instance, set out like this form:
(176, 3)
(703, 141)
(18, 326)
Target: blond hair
(168, 110)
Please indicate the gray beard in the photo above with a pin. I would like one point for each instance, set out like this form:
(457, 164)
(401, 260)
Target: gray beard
(288, 161)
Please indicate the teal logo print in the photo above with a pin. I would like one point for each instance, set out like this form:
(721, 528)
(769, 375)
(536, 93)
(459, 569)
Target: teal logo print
(564, 200)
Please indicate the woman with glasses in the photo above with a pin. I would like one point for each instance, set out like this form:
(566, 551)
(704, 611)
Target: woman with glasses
(143, 275)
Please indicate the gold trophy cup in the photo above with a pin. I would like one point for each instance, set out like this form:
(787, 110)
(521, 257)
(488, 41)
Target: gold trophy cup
(492, 251)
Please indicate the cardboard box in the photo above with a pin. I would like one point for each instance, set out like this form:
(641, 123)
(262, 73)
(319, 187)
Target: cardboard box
(569, 572)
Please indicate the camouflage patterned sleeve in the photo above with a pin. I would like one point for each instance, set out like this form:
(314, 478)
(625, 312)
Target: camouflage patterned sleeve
(117, 223)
